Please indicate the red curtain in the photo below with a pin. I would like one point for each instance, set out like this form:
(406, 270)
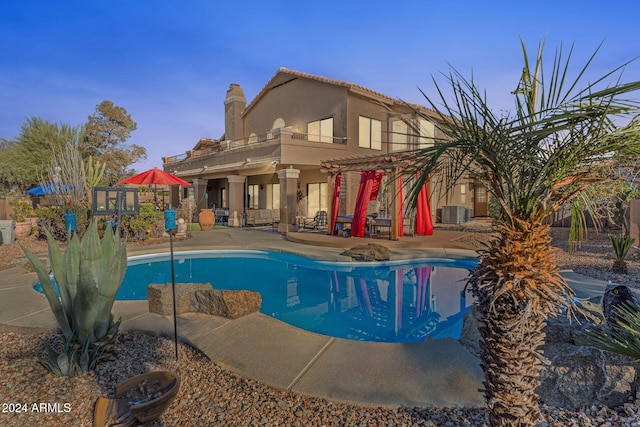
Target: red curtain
(336, 202)
(399, 291)
(369, 187)
(400, 211)
(363, 296)
(377, 179)
(423, 276)
(423, 212)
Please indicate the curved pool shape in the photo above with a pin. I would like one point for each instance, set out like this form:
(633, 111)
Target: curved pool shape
(395, 301)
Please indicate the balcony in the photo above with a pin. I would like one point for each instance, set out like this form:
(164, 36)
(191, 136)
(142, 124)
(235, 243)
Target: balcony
(282, 145)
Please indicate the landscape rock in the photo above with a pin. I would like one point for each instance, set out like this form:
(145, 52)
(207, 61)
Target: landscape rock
(470, 335)
(226, 303)
(577, 376)
(369, 252)
(160, 297)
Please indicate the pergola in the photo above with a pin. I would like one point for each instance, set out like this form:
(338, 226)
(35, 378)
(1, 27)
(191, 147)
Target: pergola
(392, 164)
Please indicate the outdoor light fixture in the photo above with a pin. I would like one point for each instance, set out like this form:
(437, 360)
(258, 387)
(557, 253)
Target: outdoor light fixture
(116, 201)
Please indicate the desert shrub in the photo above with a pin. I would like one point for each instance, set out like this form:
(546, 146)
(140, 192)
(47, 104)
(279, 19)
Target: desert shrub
(22, 209)
(149, 223)
(51, 218)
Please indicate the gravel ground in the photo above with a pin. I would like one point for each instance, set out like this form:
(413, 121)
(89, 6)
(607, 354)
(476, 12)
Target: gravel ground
(211, 396)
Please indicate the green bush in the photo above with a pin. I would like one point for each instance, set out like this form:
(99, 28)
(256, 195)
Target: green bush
(149, 223)
(621, 246)
(22, 209)
(51, 219)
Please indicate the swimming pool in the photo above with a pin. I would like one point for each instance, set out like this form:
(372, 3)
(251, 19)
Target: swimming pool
(394, 301)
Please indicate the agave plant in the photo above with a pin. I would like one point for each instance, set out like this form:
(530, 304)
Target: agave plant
(621, 246)
(88, 275)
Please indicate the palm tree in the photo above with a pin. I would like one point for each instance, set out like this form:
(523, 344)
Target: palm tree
(532, 161)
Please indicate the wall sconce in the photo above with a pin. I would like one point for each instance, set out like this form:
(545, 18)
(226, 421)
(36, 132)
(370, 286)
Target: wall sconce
(261, 187)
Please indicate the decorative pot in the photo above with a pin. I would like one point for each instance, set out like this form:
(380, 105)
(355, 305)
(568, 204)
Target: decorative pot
(206, 219)
(23, 229)
(140, 399)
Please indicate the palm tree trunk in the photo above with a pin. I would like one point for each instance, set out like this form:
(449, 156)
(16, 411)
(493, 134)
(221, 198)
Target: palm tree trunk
(517, 286)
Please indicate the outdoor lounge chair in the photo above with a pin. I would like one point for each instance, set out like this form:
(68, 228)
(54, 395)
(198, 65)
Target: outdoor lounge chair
(320, 220)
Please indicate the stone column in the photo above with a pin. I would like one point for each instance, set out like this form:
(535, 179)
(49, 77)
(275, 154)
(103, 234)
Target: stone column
(236, 199)
(288, 199)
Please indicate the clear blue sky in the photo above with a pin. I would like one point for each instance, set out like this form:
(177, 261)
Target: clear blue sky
(169, 63)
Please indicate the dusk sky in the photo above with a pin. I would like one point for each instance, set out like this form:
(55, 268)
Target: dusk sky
(169, 63)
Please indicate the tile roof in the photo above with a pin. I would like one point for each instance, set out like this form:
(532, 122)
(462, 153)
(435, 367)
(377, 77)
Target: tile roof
(350, 86)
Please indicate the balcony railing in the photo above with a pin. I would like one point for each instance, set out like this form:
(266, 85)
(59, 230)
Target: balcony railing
(272, 135)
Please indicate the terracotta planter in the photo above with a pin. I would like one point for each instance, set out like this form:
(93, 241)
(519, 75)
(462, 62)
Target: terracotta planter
(23, 229)
(206, 219)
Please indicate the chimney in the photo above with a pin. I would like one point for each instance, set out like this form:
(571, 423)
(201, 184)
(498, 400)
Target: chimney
(234, 105)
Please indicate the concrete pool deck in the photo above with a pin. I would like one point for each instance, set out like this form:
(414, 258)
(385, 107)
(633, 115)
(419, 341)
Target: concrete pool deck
(430, 373)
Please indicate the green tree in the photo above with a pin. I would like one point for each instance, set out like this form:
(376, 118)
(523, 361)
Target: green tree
(24, 159)
(532, 160)
(107, 131)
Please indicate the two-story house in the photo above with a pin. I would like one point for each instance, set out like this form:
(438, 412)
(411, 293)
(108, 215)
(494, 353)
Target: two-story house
(269, 158)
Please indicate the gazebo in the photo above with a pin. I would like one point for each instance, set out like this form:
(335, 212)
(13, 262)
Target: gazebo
(371, 169)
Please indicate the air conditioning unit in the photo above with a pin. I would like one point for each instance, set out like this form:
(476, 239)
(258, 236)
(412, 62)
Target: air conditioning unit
(454, 214)
(468, 214)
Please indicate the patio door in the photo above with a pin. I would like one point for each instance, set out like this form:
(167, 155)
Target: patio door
(480, 200)
(316, 198)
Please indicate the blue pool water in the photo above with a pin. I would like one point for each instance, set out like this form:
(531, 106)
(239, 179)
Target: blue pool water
(399, 301)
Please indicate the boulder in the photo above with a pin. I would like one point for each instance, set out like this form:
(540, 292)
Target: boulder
(160, 297)
(370, 252)
(470, 335)
(225, 303)
(576, 376)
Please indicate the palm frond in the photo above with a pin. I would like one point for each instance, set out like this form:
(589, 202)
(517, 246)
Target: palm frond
(621, 336)
(554, 134)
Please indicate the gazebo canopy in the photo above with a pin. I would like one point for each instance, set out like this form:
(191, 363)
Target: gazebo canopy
(402, 160)
(392, 164)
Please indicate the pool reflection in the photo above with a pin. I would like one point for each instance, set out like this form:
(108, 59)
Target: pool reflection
(402, 305)
(397, 302)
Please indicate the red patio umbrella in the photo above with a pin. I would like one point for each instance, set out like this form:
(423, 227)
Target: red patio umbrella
(154, 176)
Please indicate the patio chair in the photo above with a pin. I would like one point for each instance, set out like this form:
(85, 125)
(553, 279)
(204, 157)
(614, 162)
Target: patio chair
(320, 220)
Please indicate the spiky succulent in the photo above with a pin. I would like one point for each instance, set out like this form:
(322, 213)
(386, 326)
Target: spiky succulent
(87, 275)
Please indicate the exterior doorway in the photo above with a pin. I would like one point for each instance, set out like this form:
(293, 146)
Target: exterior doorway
(480, 200)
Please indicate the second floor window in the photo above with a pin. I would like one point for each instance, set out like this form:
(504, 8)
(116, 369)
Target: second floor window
(321, 130)
(399, 136)
(427, 133)
(370, 133)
